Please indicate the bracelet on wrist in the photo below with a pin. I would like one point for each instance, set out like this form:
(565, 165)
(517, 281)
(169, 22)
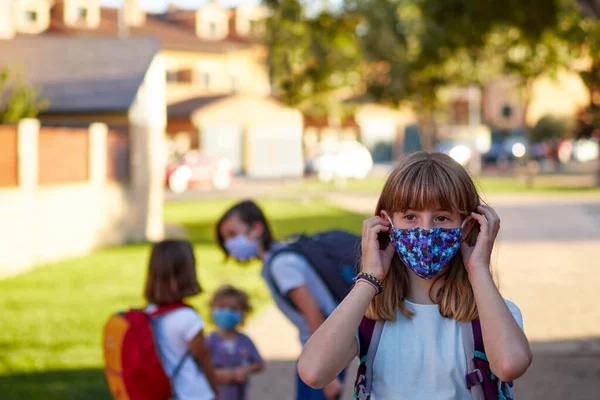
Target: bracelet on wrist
(371, 279)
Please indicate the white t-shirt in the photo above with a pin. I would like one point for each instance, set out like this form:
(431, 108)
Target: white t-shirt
(290, 271)
(172, 333)
(423, 357)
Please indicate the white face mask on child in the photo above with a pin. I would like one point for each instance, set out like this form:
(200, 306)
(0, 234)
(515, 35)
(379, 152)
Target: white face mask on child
(242, 248)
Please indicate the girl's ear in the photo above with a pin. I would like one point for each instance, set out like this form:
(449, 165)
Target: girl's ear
(468, 227)
(384, 214)
(258, 228)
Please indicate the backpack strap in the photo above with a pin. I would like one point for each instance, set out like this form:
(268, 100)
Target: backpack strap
(179, 365)
(474, 376)
(161, 310)
(481, 380)
(289, 248)
(369, 335)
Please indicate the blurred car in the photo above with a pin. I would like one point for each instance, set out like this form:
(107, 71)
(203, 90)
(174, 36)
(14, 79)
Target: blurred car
(506, 152)
(581, 150)
(196, 169)
(461, 153)
(345, 159)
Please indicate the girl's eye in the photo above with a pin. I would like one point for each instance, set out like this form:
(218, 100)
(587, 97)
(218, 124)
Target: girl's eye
(410, 217)
(441, 218)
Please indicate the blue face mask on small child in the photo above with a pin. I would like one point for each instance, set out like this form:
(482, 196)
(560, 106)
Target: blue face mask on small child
(226, 318)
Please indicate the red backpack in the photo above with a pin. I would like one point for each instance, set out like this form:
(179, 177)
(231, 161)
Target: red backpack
(133, 367)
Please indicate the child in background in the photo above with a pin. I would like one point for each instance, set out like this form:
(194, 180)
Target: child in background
(234, 355)
(179, 333)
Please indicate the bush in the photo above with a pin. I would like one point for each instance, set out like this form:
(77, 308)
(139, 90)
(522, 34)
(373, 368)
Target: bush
(550, 128)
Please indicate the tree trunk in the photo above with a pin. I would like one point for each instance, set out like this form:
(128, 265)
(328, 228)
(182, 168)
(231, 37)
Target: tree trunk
(427, 128)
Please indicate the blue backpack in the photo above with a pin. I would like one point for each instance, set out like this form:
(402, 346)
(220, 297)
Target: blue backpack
(334, 255)
(480, 379)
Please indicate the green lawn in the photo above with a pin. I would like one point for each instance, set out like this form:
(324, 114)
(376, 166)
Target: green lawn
(52, 317)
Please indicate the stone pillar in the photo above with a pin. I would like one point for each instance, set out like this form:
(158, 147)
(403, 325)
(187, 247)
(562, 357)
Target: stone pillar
(28, 144)
(134, 15)
(98, 153)
(148, 121)
(7, 19)
(28, 130)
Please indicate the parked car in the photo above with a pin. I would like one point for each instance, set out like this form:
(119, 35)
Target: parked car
(503, 154)
(195, 169)
(344, 159)
(581, 150)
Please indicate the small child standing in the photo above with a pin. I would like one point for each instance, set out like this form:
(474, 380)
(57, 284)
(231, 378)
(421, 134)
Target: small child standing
(233, 354)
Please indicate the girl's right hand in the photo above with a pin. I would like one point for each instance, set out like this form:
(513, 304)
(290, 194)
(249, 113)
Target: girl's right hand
(374, 260)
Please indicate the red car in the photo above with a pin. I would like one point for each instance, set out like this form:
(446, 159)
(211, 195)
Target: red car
(196, 169)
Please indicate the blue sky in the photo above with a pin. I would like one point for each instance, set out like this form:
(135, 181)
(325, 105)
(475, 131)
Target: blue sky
(161, 5)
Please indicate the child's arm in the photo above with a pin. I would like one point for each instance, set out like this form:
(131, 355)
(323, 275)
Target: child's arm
(331, 348)
(506, 345)
(257, 363)
(225, 375)
(290, 281)
(256, 367)
(201, 353)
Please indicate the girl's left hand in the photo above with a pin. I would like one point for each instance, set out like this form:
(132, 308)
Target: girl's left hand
(479, 256)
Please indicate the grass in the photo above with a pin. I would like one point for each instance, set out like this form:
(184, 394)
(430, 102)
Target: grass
(52, 317)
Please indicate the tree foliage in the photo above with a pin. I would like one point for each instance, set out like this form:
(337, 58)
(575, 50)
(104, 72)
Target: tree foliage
(18, 99)
(311, 58)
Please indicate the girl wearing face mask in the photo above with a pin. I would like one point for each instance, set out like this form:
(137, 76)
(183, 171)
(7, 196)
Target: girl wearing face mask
(243, 233)
(233, 354)
(425, 272)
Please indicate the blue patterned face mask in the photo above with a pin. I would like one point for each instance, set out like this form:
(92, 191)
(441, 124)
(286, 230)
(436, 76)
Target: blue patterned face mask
(226, 318)
(426, 252)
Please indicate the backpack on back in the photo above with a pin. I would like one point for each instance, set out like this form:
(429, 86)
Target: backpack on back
(480, 379)
(334, 255)
(133, 368)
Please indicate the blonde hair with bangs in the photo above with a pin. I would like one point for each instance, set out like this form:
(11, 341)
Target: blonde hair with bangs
(428, 181)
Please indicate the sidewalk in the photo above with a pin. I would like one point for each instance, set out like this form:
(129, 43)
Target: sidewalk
(547, 263)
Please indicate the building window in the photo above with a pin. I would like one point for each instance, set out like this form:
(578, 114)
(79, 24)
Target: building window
(179, 76)
(31, 16)
(507, 111)
(82, 14)
(184, 76)
(171, 76)
(212, 29)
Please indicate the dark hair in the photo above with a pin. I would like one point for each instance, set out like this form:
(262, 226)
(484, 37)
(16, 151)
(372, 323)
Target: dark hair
(171, 273)
(249, 213)
(230, 291)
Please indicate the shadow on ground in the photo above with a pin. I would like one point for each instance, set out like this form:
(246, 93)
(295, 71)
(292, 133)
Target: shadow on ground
(560, 371)
(84, 384)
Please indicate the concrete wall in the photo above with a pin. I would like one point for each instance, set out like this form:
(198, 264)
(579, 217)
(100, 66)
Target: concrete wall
(45, 223)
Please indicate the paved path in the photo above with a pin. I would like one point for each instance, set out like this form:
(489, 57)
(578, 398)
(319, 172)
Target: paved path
(547, 263)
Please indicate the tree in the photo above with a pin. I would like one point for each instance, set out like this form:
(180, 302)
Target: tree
(312, 59)
(20, 99)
